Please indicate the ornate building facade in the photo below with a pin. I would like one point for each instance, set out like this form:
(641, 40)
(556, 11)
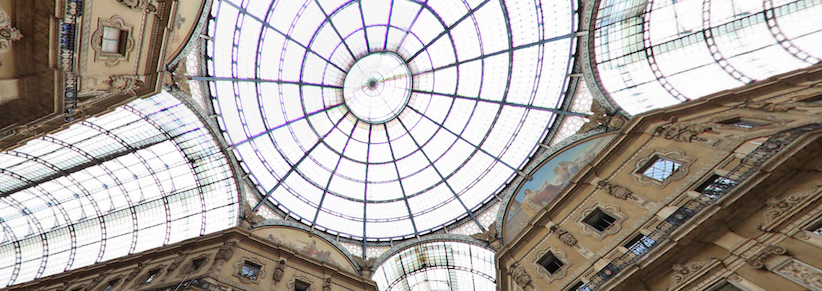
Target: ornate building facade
(410, 145)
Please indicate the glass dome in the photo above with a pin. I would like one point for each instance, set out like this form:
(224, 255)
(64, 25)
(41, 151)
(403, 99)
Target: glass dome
(384, 120)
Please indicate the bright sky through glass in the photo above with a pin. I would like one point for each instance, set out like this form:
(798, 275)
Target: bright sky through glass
(327, 146)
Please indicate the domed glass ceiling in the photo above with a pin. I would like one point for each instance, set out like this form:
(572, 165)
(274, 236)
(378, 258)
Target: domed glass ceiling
(380, 119)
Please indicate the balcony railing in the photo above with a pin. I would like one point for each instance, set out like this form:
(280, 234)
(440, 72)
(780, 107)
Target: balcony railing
(714, 191)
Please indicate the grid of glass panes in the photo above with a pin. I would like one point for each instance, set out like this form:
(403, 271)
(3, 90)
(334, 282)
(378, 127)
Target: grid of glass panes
(438, 266)
(146, 175)
(652, 54)
(483, 77)
(660, 169)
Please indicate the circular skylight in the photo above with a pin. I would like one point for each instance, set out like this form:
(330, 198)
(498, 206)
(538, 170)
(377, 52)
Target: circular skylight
(377, 87)
(382, 119)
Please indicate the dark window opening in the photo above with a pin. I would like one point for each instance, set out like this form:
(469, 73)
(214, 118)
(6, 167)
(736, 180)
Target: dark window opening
(640, 245)
(816, 228)
(196, 264)
(551, 263)
(660, 169)
(716, 186)
(249, 270)
(743, 122)
(726, 287)
(301, 286)
(600, 220)
(579, 286)
(110, 285)
(151, 276)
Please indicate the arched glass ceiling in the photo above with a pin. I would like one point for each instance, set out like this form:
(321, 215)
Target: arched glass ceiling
(145, 175)
(484, 79)
(652, 54)
(438, 266)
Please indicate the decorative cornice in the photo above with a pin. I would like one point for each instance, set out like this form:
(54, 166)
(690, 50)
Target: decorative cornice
(280, 222)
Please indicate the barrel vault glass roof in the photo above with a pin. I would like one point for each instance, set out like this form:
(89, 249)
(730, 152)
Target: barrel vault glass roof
(485, 79)
(652, 54)
(438, 266)
(143, 176)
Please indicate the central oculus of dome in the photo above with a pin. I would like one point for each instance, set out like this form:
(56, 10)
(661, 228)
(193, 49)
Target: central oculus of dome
(377, 87)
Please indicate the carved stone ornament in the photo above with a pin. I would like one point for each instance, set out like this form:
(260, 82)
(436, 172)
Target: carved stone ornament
(681, 272)
(125, 85)
(560, 273)
(767, 106)
(176, 263)
(673, 155)
(519, 276)
(758, 260)
(684, 132)
(327, 284)
(250, 217)
(279, 271)
(564, 236)
(144, 5)
(239, 266)
(615, 190)
(490, 237)
(223, 254)
(801, 273)
(600, 117)
(112, 59)
(611, 209)
(8, 34)
(365, 265)
(779, 206)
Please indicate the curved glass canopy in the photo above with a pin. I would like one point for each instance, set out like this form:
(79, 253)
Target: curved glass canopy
(651, 54)
(380, 119)
(146, 175)
(438, 266)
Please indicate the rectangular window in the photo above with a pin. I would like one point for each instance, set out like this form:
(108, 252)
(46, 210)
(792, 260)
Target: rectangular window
(151, 276)
(110, 285)
(301, 286)
(743, 122)
(726, 287)
(114, 40)
(551, 263)
(196, 265)
(716, 186)
(600, 220)
(579, 286)
(640, 245)
(660, 169)
(816, 228)
(249, 270)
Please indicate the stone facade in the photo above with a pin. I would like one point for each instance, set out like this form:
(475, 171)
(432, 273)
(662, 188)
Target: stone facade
(742, 209)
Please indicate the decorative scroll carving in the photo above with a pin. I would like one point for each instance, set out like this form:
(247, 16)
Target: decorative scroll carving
(8, 34)
(144, 5)
(564, 236)
(366, 265)
(600, 117)
(767, 106)
(279, 271)
(223, 254)
(124, 85)
(684, 271)
(778, 206)
(519, 276)
(615, 190)
(762, 254)
(802, 273)
(682, 132)
(490, 237)
(327, 284)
